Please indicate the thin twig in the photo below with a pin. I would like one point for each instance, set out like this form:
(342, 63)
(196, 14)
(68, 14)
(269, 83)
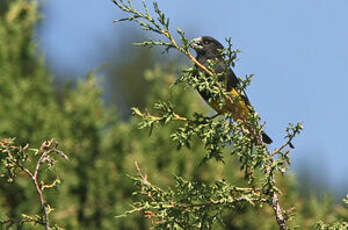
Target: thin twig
(142, 176)
(39, 189)
(34, 175)
(19, 164)
(187, 53)
(288, 142)
(42, 159)
(278, 212)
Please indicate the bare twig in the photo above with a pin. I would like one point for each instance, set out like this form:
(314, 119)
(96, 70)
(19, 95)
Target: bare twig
(275, 204)
(157, 118)
(278, 212)
(142, 176)
(295, 130)
(48, 148)
(187, 53)
(43, 158)
(287, 143)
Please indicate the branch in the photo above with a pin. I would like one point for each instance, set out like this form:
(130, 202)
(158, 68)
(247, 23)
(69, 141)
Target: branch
(255, 196)
(292, 132)
(175, 117)
(278, 212)
(186, 52)
(16, 158)
(214, 135)
(43, 158)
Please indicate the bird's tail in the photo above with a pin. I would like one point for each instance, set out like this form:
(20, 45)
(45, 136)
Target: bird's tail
(266, 139)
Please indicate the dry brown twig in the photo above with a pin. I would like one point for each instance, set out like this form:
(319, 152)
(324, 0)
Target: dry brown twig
(48, 148)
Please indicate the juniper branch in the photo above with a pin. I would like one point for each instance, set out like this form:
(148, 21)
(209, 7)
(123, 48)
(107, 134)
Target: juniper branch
(215, 135)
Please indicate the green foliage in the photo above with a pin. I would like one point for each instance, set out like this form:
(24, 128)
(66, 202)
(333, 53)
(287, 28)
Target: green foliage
(335, 226)
(102, 150)
(191, 205)
(23, 76)
(215, 135)
(176, 209)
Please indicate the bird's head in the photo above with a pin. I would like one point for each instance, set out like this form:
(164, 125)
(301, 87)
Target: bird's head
(207, 45)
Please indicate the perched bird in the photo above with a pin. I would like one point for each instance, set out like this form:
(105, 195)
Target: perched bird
(209, 49)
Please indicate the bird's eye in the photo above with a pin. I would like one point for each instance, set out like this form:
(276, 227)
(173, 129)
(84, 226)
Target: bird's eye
(206, 42)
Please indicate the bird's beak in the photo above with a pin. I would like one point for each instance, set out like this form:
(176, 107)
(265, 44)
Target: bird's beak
(197, 43)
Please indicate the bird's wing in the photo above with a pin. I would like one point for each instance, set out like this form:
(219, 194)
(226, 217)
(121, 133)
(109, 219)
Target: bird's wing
(232, 81)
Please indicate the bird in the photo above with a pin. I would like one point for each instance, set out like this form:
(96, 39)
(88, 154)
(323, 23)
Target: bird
(208, 50)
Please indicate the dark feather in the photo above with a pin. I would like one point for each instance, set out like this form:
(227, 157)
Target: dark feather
(210, 49)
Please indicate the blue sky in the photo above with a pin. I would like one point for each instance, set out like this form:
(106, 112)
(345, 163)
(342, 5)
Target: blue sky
(298, 51)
